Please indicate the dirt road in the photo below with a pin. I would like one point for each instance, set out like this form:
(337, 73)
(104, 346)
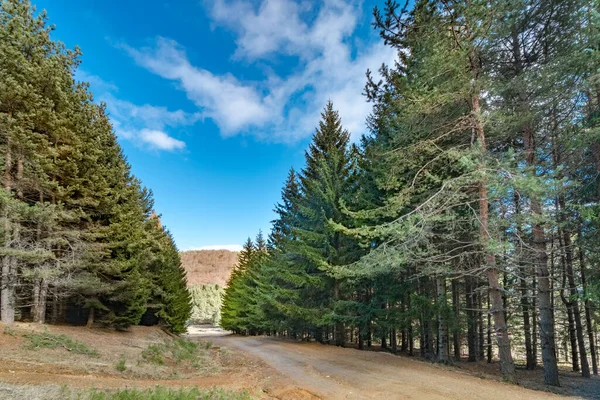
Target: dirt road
(334, 373)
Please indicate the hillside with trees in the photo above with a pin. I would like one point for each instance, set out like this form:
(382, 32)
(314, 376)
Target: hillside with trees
(81, 242)
(208, 267)
(464, 226)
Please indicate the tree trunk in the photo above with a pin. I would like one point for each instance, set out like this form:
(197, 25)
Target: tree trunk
(41, 316)
(526, 321)
(91, 315)
(456, 308)
(339, 326)
(489, 334)
(7, 295)
(507, 365)
(442, 322)
(480, 328)
(574, 296)
(568, 305)
(530, 363)
(35, 300)
(534, 315)
(546, 314)
(471, 321)
(588, 313)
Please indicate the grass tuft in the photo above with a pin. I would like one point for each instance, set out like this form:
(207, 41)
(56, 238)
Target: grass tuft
(161, 393)
(9, 331)
(177, 352)
(121, 365)
(52, 341)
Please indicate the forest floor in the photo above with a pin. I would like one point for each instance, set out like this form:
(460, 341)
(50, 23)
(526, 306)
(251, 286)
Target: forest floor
(267, 368)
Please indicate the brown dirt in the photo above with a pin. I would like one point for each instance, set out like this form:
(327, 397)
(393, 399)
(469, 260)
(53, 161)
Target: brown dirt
(270, 368)
(208, 266)
(334, 373)
(59, 367)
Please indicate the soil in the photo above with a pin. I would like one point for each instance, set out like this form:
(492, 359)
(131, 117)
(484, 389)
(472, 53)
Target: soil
(331, 372)
(268, 368)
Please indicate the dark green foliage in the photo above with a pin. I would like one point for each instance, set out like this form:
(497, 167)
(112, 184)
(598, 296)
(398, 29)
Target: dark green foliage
(466, 213)
(78, 228)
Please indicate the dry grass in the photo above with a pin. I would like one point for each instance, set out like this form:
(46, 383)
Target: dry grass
(78, 350)
(54, 392)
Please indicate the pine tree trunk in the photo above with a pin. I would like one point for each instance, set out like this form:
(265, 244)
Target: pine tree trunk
(456, 308)
(480, 328)
(534, 325)
(568, 249)
(442, 322)
(588, 313)
(339, 326)
(409, 330)
(572, 338)
(41, 309)
(361, 340)
(7, 295)
(91, 315)
(530, 363)
(507, 365)
(471, 322)
(35, 300)
(404, 330)
(526, 321)
(489, 333)
(571, 322)
(546, 314)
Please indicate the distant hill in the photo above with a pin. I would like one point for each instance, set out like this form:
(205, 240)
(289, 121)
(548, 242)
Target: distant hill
(208, 266)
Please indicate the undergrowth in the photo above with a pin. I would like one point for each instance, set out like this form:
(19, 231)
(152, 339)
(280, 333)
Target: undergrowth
(52, 341)
(177, 352)
(121, 365)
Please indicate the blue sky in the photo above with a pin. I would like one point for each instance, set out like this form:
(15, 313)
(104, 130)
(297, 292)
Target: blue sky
(214, 101)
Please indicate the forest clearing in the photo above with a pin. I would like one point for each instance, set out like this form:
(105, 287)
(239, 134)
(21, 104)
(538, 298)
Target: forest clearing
(436, 234)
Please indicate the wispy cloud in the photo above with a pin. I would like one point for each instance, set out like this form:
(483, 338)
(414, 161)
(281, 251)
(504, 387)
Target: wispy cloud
(331, 64)
(232, 104)
(144, 125)
(160, 140)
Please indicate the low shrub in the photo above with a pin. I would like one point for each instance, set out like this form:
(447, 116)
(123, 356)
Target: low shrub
(52, 341)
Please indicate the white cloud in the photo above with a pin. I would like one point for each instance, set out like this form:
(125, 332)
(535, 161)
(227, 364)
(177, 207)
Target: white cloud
(232, 104)
(144, 125)
(160, 140)
(230, 247)
(331, 64)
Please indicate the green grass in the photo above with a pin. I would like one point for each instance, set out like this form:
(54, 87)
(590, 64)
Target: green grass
(161, 393)
(154, 354)
(177, 352)
(9, 331)
(121, 365)
(52, 341)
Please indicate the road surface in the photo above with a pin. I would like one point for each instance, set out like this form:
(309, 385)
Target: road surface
(329, 372)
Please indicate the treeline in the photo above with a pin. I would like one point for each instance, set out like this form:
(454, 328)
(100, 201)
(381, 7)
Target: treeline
(80, 240)
(466, 222)
(207, 301)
